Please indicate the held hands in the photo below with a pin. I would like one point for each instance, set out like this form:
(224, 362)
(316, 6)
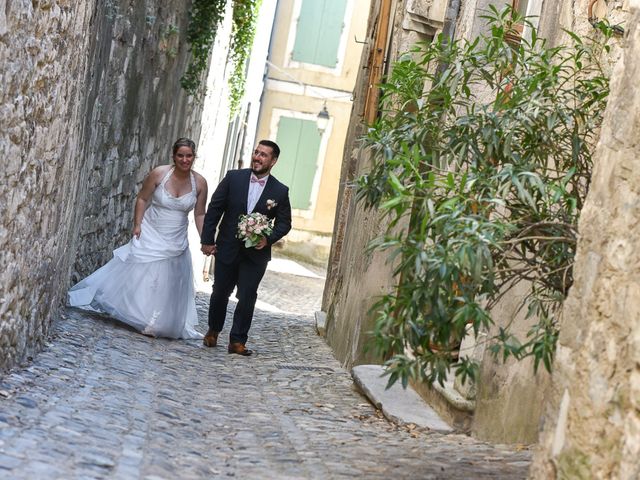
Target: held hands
(213, 249)
(208, 249)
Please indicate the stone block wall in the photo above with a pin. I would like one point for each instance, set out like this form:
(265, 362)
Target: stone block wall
(592, 427)
(90, 101)
(508, 388)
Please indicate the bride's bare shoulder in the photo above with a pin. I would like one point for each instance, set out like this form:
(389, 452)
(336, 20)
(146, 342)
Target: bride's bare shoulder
(158, 173)
(199, 178)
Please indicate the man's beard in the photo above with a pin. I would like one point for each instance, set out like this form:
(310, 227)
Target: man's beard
(260, 170)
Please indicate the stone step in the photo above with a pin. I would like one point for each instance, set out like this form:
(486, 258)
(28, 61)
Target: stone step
(397, 404)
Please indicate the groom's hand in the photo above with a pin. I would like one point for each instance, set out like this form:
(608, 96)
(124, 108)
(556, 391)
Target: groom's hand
(261, 244)
(208, 249)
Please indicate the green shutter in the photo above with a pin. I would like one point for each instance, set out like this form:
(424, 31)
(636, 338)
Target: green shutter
(299, 142)
(308, 31)
(319, 30)
(332, 25)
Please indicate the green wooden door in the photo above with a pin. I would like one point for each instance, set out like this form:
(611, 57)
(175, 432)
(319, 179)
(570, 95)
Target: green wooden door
(319, 30)
(299, 142)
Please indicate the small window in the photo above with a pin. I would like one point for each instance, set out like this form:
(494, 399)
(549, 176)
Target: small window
(319, 31)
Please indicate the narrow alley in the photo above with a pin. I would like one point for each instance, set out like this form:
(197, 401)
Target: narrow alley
(102, 401)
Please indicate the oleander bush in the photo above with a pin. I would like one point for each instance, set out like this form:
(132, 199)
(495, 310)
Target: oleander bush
(481, 162)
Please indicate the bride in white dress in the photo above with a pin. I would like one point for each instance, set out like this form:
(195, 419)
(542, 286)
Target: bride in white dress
(149, 282)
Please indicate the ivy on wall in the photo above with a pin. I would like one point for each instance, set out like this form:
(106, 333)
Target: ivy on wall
(204, 20)
(245, 14)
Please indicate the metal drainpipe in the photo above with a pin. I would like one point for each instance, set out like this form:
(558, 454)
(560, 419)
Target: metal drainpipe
(449, 27)
(450, 18)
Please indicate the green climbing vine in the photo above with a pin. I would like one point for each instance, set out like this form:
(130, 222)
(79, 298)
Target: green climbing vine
(204, 19)
(482, 177)
(245, 14)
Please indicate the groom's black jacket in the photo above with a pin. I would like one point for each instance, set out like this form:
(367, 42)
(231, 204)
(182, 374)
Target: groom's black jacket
(229, 202)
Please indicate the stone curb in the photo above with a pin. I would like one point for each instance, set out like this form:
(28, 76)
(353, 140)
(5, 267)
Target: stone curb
(397, 404)
(321, 321)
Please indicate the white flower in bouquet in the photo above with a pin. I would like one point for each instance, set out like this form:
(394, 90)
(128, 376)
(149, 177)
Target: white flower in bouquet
(252, 227)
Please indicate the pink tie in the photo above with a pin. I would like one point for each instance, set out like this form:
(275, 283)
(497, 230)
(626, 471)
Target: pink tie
(257, 180)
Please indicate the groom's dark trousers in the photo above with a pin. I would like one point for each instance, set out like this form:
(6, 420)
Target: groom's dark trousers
(236, 265)
(246, 275)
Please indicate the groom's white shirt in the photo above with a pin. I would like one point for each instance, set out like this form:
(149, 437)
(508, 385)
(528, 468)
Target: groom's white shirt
(255, 190)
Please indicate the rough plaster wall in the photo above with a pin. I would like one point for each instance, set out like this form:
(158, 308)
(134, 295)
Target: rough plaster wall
(509, 396)
(215, 118)
(593, 426)
(468, 24)
(89, 102)
(342, 295)
(356, 279)
(363, 278)
(556, 17)
(504, 389)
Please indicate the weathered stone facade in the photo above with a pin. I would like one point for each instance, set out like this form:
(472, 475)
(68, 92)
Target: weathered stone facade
(593, 421)
(90, 101)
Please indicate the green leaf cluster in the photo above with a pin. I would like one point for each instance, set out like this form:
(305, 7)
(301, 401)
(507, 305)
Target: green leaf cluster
(204, 20)
(482, 159)
(245, 15)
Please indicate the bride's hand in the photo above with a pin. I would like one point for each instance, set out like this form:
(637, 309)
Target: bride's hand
(137, 230)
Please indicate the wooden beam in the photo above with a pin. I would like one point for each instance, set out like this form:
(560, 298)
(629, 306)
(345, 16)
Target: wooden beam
(376, 63)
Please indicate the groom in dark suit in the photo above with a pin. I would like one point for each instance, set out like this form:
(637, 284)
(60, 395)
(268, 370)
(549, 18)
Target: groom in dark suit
(241, 192)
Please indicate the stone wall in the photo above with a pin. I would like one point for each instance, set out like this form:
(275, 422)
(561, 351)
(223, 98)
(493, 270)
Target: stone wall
(512, 387)
(90, 101)
(593, 420)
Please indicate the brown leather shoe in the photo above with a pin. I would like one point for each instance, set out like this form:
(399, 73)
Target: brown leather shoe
(239, 349)
(210, 339)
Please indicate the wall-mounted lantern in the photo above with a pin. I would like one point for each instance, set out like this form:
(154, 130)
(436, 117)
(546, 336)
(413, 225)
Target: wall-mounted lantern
(323, 119)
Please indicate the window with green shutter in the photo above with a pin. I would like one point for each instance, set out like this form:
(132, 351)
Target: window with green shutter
(318, 32)
(299, 142)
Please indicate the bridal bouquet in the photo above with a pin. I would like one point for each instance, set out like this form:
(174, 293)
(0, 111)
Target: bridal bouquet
(252, 227)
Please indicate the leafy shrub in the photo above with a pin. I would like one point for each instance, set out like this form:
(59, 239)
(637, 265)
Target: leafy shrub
(482, 159)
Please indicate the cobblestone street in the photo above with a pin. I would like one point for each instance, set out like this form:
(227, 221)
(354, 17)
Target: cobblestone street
(102, 401)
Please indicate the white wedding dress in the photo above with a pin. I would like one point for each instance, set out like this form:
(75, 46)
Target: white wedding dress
(149, 282)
